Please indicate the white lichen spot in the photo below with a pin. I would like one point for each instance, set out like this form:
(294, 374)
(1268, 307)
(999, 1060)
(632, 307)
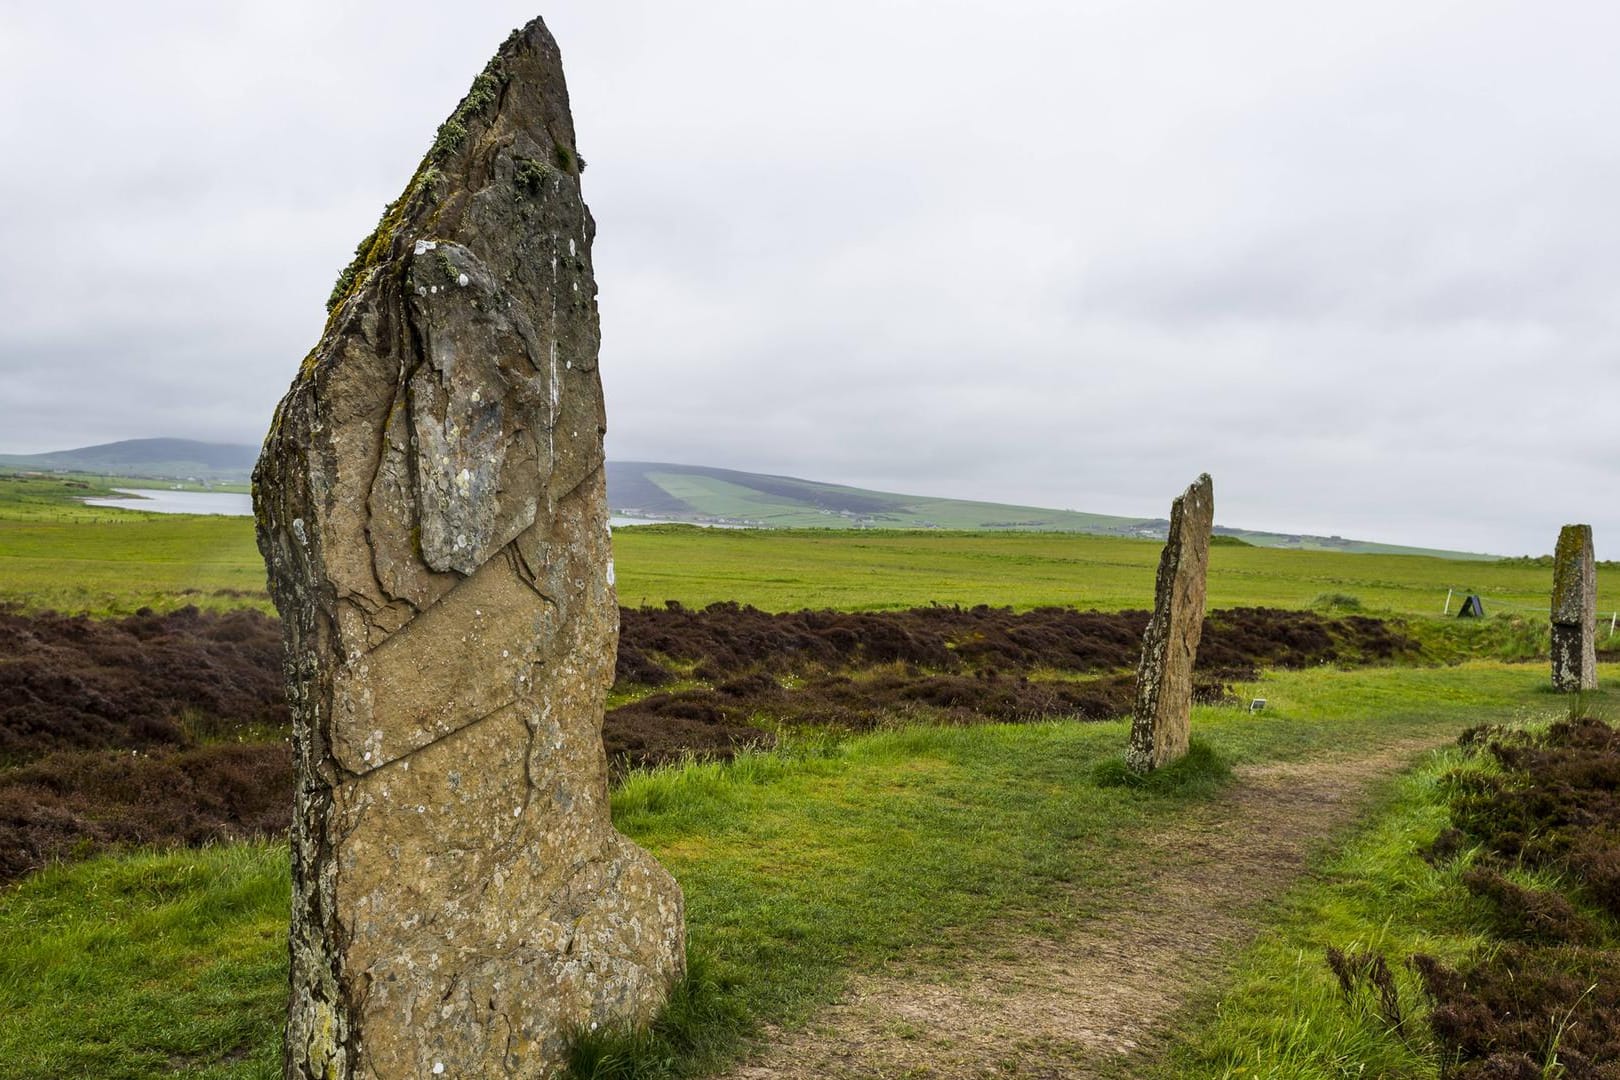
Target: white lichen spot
(424, 246)
(298, 531)
(571, 248)
(438, 1068)
(433, 288)
(610, 572)
(517, 811)
(461, 279)
(421, 290)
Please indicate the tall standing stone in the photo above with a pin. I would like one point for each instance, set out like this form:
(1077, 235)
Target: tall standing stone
(1574, 611)
(1159, 730)
(431, 508)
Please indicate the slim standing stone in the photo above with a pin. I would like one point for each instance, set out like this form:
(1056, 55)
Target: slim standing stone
(1159, 731)
(431, 508)
(1574, 611)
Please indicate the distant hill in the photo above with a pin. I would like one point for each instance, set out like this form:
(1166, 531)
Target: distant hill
(158, 459)
(706, 496)
(709, 496)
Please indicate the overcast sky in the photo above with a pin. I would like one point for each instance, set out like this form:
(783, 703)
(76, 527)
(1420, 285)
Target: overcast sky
(1360, 261)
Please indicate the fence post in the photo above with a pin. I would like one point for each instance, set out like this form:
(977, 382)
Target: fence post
(1447, 610)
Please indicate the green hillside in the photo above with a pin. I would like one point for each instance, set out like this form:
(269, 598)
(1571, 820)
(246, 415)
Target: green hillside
(701, 495)
(708, 496)
(156, 459)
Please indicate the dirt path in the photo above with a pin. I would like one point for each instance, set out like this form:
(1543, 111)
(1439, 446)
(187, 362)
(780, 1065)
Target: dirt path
(1080, 1003)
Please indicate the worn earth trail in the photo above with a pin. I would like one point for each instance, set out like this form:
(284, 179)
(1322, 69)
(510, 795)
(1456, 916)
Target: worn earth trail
(1098, 995)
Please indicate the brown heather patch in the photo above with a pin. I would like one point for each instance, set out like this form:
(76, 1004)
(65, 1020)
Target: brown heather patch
(135, 683)
(1547, 1002)
(74, 804)
(198, 697)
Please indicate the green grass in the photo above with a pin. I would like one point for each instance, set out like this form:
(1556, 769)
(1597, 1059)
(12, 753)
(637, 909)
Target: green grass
(1283, 1014)
(146, 966)
(57, 553)
(799, 867)
(782, 570)
(1200, 772)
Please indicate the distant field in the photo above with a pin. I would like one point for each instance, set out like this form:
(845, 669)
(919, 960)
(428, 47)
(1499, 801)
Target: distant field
(877, 570)
(57, 553)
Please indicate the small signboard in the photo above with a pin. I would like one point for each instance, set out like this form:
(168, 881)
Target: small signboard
(1471, 608)
(1257, 704)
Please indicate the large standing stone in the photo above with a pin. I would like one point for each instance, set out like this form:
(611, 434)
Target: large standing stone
(1574, 611)
(431, 507)
(1159, 731)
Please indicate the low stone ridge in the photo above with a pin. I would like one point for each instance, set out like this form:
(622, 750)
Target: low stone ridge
(1574, 611)
(431, 507)
(1164, 681)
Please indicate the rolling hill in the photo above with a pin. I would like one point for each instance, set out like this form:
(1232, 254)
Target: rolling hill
(702, 495)
(156, 459)
(710, 496)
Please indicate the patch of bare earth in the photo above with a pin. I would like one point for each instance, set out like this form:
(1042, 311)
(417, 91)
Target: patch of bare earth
(1100, 993)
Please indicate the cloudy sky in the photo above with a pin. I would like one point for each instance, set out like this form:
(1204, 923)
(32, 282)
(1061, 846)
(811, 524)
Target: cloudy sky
(1360, 261)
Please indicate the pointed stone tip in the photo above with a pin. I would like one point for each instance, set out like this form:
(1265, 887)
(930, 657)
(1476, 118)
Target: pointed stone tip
(533, 32)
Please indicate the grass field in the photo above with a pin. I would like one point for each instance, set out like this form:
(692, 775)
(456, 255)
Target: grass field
(799, 868)
(802, 868)
(57, 553)
(1389, 893)
(1283, 1016)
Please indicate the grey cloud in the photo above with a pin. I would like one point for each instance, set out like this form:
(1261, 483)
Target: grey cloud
(1357, 260)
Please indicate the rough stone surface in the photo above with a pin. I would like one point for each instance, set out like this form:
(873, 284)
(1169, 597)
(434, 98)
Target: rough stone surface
(1159, 730)
(431, 507)
(1574, 611)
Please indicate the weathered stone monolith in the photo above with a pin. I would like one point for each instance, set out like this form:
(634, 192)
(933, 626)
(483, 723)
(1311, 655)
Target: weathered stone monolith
(1159, 730)
(1574, 611)
(431, 507)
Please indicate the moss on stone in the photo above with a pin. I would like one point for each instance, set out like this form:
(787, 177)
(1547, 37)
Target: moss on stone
(529, 175)
(480, 102)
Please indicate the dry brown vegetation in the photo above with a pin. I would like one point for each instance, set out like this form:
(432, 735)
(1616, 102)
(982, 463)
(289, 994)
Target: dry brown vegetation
(173, 728)
(1549, 998)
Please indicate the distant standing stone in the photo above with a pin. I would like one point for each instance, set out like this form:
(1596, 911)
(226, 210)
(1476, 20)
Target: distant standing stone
(1159, 731)
(431, 507)
(1574, 611)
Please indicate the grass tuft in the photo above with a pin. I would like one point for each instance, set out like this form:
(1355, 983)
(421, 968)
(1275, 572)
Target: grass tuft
(698, 1025)
(1199, 774)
